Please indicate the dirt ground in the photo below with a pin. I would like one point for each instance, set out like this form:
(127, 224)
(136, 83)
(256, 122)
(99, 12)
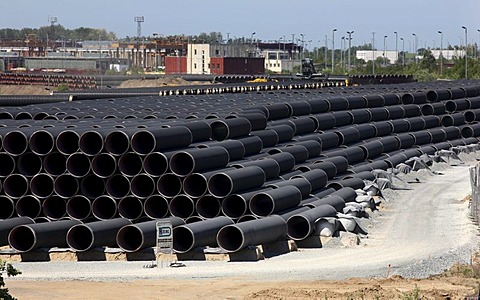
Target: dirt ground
(161, 82)
(40, 90)
(452, 286)
(23, 90)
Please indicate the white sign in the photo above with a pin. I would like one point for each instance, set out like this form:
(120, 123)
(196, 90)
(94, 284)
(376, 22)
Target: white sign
(164, 237)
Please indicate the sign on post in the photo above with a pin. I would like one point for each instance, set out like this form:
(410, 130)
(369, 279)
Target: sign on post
(164, 237)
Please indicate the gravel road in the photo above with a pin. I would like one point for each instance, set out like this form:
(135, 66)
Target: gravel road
(416, 233)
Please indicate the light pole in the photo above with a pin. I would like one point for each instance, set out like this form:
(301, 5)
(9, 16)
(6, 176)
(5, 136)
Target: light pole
(415, 47)
(385, 50)
(403, 51)
(396, 44)
(373, 53)
(302, 56)
(326, 51)
(441, 52)
(333, 48)
(251, 38)
(349, 48)
(293, 47)
(342, 46)
(476, 52)
(466, 52)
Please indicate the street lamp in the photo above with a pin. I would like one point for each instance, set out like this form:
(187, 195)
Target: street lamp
(466, 52)
(385, 50)
(396, 44)
(403, 52)
(349, 48)
(342, 46)
(251, 38)
(333, 48)
(476, 53)
(326, 51)
(302, 55)
(373, 53)
(441, 52)
(415, 47)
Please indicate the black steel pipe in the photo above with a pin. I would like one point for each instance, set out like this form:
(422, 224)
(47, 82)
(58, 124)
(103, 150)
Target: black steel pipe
(269, 137)
(270, 167)
(117, 186)
(154, 139)
(83, 237)
(7, 207)
(54, 207)
(185, 162)
(15, 186)
(324, 121)
(54, 163)
(182, 206)
(29, 164)
(455, 119)
(348, 194)
(336, 201)
(276, 200)
(130, 164)
(301, 183)
(284, 132)
(236, 205)
(190, 236)
(208, 207)
(135, 237)
(7, 225)
(156, 207)
(104, 208)
(25, 238)
(104, 165)
(7, 164)
(236, 237)
(42, 185)
(169, 185)
(67, 142)
(79, 207)
(302, 225)
(316, 177)
(230, 128)
(78, 164)
(234, 181)
(130, 208)
(142, 186)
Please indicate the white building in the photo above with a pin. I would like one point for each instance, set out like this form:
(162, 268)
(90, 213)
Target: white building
(369, 55)
(278, 60)
(448, 54)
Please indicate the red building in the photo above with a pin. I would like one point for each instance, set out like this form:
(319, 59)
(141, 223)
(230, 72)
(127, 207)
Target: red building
(175, 65)
(237, 65)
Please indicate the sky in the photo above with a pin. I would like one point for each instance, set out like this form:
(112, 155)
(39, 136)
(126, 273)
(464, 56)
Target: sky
(269, 19)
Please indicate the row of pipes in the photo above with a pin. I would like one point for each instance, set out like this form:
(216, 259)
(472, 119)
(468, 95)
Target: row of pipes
(248, 170)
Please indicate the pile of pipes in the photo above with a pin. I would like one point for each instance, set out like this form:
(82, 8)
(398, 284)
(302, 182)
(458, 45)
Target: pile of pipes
(228, 170)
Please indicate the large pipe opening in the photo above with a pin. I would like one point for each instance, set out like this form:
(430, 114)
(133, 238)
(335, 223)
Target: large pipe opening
(22, 238)
(298, 227)
(183, 240)
(80, 237)
(130, 238)
(230, 238)
(156, 207)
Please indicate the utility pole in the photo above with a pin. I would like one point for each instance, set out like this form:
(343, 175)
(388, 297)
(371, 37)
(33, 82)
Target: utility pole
(333, 48)
(466, 52)
(441, 52)
(373, 53)
(349, 48)
(396, 45)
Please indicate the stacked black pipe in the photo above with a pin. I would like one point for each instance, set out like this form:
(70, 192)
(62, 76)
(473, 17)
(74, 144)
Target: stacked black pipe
(230, 170)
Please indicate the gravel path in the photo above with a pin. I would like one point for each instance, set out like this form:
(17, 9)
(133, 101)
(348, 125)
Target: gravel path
(416, 233)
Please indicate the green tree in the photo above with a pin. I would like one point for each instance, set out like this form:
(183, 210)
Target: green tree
(11, 271)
